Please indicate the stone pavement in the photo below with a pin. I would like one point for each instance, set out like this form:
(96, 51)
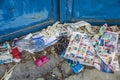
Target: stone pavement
(56, 69)
(86, 74)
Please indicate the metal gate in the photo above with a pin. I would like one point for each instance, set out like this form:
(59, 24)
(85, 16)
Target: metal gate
(19, 17)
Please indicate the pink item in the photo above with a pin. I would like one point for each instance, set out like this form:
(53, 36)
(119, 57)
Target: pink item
(42, 60)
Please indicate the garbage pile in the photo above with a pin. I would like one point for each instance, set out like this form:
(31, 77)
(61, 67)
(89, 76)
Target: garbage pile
(79, 43)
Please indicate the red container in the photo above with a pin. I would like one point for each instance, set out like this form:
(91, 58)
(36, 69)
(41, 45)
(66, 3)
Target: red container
(16, 53)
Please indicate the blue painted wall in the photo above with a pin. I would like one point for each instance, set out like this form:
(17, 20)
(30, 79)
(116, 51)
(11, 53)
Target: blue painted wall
(93, 11)
(19, 17)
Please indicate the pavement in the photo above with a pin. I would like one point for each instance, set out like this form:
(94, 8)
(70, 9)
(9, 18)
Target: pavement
(55, 69)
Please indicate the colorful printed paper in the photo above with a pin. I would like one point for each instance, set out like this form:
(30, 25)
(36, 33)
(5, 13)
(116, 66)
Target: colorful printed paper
(107, 46)
(118, 48)
(80, 49)
(100, 51)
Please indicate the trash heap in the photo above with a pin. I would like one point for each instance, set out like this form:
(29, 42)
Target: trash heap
(98, 52)
(79, 43)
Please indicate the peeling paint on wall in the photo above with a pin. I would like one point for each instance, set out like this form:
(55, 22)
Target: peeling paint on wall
(16, 14)
(26, 19)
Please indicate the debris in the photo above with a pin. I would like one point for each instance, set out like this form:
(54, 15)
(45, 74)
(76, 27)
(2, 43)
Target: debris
(118, 48)
(57, 72)
(5, 56)
(102, 49)
(33, 57)
(76, 66)
(8, 73)
(114, 28)
(25, 56)
(107, 46)
(95, 29)
(80, 49)
(16, 54)
(28, 36)
(53, 52)
(115, 63)
(5, 46)
(4, 52)
(42, 60)
(31, 45)
(35, 43)
(78, 43)
(66, 68)
(118, 34)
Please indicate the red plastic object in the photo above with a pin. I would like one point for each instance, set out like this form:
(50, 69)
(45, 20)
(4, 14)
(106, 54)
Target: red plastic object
(42, 60)
(16, 53)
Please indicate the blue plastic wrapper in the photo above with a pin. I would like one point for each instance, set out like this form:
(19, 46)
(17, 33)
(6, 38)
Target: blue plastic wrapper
(75, 66)
(39, 44)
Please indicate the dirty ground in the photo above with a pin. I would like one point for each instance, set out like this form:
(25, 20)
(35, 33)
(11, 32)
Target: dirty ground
(56, 68)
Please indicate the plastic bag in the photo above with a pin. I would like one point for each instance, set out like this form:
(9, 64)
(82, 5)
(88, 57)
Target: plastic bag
(31, 45)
